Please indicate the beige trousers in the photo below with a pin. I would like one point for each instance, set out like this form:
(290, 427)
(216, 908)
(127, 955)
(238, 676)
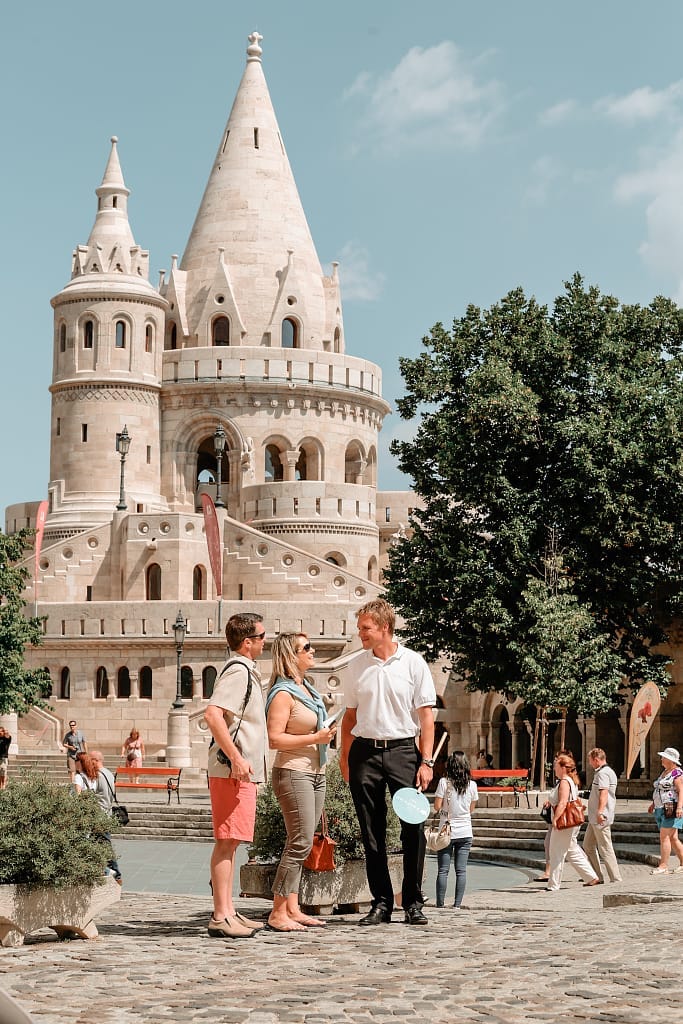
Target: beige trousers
(597, 845)
(564, 846)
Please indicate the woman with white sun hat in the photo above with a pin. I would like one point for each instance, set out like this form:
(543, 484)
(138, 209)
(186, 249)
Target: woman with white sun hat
(667, 805)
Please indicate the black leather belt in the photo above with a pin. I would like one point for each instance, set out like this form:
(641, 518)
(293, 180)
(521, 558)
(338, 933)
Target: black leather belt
(387, 744)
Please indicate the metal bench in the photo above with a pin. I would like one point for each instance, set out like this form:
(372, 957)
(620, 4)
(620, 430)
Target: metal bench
(134, 778)
(520, 784)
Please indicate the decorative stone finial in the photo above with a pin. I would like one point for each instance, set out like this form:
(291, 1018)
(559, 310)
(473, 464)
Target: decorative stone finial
(114, 139)
(254, 51)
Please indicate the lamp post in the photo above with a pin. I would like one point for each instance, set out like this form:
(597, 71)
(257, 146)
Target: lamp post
(179, 628)
(123, 447)
(219, 448)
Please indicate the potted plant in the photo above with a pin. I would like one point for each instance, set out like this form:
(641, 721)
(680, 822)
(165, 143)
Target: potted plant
(345, 887)
(53, 860)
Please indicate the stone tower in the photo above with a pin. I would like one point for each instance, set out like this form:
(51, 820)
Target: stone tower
(108, 342)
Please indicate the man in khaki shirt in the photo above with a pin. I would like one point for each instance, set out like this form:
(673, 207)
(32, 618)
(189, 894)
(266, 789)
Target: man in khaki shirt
(236, 719)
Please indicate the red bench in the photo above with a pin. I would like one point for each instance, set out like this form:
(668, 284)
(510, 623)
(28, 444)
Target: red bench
(517, 787)
(133, 778)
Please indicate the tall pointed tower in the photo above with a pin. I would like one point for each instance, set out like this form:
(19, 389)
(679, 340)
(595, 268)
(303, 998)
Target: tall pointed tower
(108, 340)
(255, 340)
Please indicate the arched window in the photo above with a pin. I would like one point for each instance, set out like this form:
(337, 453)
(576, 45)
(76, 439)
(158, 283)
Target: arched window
(274, 468)
(88, 333)
(62, 338)
(220, 331)
(120, 333)
(101, 683)
(300, 471)
(208, 681)
(149, 337)
(145, 682)
(337, 340)
(171, 340)
(51, 692)
(186, 683)
(354, 465)
(290, 333)
(372, 570)
(65, 684)
(197, 583)
(153, 582)
(123, 682)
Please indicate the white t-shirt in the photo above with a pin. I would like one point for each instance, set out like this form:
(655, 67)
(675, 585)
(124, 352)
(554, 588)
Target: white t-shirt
(387, 694)
(457, 807)
(604, 778)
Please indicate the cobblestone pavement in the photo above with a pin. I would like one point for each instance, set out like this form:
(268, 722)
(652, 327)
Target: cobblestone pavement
(516, 955)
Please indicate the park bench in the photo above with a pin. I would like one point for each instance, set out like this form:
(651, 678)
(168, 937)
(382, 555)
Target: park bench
(135, 778)
(519, 776)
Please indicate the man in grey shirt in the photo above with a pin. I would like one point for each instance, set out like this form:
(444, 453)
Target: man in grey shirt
(105, 797)
(597, 843)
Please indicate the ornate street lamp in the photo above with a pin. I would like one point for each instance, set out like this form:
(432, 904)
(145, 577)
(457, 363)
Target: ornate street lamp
(179, 629)
(219, 448)
(123, 447)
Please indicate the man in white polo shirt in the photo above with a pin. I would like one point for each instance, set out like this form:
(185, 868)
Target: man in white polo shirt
(597, 842)
(387, 741)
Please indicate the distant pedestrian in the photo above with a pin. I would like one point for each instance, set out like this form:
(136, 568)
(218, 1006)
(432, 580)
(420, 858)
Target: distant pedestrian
(667, 805)
(85, 776)
(133, 750)
(105, 792)
(456, 795)
(75, 743)
(597, 842)
(563, 842)
(5, 744)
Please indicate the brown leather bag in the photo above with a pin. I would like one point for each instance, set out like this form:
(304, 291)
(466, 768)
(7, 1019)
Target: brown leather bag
(571, 816)
(321, 857)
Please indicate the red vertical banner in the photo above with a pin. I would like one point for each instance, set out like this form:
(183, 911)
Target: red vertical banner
(213, 542)
(40, 529)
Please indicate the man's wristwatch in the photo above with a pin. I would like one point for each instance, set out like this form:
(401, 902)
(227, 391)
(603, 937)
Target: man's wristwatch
(429, 761)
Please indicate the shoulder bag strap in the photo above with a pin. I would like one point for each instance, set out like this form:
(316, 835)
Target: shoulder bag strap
(247, 693)
(113, 794)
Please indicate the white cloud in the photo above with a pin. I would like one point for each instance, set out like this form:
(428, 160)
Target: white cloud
(542, 174)
(643, 104)
(358, 282)
(558, 113)
(659, 183)
(432, 95)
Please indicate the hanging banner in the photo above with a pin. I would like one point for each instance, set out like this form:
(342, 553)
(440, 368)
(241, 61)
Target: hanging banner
(213, 542)
(40, 529)
(645, 707)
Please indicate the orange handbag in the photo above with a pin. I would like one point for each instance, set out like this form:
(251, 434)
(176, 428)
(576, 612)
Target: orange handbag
(321, 857)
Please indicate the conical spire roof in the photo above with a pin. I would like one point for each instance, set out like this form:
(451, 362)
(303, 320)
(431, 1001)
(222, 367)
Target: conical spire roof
(251, 209)
(111, 225)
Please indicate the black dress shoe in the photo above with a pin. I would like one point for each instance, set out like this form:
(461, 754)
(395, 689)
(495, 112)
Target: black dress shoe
(378, 915)
(414, 915)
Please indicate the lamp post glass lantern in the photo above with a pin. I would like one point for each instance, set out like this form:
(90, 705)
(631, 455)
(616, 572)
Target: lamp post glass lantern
(219, 448)
(179, 629)
(123, 447)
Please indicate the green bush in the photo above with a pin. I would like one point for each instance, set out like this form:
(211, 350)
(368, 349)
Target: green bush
(270, 834)
(49, 836)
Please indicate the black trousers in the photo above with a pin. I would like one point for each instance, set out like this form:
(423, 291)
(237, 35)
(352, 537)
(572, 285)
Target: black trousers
(371, 771)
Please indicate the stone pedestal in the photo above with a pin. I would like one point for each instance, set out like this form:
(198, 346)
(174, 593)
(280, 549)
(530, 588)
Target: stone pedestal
(178, 747)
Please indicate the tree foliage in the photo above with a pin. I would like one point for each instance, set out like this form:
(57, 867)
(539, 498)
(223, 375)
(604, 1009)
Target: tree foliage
(531, 419)
(20, 688)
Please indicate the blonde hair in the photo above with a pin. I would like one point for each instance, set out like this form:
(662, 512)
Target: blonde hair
(568, 762)
(284, 653)
(381, 613)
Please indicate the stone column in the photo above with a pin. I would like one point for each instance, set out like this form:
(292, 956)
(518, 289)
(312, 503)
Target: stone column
(178, 749)
(291, 457)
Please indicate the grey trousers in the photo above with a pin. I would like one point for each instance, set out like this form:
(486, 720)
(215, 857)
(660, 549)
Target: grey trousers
(301, 796)
(597, 845)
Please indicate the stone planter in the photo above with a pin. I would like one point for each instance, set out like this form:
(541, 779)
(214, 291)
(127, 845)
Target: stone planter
(345, 888)
(69, 912)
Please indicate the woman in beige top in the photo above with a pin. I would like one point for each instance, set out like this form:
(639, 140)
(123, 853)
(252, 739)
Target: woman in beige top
(295, 716)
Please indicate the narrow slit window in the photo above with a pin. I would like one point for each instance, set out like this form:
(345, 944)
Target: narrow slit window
(255, 138)
(84, 432)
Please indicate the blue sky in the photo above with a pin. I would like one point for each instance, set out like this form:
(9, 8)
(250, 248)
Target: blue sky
(445, 153)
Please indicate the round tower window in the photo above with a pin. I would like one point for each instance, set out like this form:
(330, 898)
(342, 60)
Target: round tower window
(333, 682)
(44, 563)
(314, 570)
(165, 527)
(291, 301)
(262, 549)
(220, 299)
(359, 591)
(189, 527)
(93, 542)
(67, 553)
(143, 528)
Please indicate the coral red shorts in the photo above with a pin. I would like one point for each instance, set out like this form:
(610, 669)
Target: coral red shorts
(233, 809)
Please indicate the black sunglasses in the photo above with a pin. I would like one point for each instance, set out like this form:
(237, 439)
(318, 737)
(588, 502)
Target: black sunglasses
(257, 636)
(306, 647)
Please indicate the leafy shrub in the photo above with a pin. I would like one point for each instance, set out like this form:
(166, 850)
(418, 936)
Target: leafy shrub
(49, 836)
(270, 833)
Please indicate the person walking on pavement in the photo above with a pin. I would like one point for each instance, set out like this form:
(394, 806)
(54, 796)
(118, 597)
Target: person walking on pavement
(75, 743)
(597, 842)
(667, 807)
(5, 744)
(236, 719)
(563, 842)
(387, 741)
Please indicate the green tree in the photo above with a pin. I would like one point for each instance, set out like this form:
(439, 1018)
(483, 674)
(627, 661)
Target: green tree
(20, 688)
(528, 419)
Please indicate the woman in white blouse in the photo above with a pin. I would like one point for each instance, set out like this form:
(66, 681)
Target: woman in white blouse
(455, 798)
